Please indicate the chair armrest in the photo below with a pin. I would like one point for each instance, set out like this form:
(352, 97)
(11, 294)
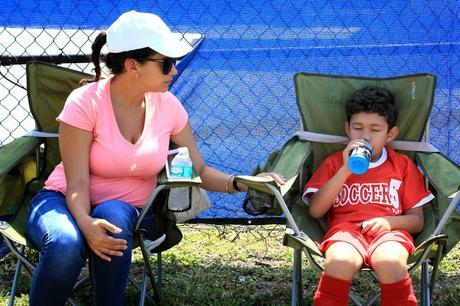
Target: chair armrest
(287, 161)
(442, 173)
(265, 196)
(427, 249)
(163, 179)
(444, 177)
(260, 183)
(300, 241)
(14, 152)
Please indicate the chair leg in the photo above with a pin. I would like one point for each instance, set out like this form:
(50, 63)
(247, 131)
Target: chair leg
(23, 261)
(148, 268)
(144, 293)
(354, 300)
(159, 272)
(72, 302)
(85, 280)
(373, 299)
(425, 288)
(143, 288)
(297, 278)
(16, 278)
(437, 260)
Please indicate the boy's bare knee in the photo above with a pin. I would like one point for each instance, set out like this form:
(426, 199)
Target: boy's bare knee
(342, 261)
(389, 261)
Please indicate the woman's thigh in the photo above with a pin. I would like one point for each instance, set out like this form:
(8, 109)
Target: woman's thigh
(50, 220)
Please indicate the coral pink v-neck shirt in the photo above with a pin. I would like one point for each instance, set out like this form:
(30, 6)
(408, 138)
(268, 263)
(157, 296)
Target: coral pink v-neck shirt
(119, 169)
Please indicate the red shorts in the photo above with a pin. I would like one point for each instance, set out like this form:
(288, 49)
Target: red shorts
(365, 245)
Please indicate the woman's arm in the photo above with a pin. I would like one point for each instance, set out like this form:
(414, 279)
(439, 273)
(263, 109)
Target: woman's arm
(74, 145)
(212, 178)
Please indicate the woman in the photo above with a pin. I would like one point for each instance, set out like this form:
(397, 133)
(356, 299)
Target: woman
(114, 136)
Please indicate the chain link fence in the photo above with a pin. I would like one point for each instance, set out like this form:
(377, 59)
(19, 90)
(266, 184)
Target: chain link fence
(238, 87)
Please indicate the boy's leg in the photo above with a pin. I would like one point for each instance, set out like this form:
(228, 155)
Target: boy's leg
(62, 247)
(389, 262)
(342, 262)
(109, 279)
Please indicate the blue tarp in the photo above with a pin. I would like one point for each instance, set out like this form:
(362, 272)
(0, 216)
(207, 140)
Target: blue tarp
(238, 88)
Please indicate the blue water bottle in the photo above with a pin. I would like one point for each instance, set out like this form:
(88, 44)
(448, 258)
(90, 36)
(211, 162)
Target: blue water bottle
(359, 159)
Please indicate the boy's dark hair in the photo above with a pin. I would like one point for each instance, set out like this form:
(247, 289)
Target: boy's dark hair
(373, 99)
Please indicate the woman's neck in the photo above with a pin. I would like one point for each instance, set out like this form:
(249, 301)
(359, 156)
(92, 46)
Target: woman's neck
(125, 92)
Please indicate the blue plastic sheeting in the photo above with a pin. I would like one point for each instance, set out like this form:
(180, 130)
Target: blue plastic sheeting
(238, 88)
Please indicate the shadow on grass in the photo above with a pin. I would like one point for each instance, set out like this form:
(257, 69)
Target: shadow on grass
(206, 269)
(191, 284)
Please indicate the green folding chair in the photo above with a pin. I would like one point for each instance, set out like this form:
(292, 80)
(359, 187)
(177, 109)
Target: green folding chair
(321, 102)
(26, 162)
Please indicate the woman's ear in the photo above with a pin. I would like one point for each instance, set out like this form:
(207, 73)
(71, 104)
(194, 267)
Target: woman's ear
(130, 65)
(392, 133)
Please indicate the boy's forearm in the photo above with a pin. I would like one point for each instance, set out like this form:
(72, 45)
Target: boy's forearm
(323, 199)
(413, 224)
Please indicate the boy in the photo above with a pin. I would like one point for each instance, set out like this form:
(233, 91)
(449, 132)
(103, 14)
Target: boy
(370, 216)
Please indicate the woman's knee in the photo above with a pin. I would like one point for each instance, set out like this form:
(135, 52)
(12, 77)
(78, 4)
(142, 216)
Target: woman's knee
(342, 261)
(119, 213)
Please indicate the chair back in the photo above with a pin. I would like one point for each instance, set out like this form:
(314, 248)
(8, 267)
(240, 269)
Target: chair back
(321, 102)
(48, 86)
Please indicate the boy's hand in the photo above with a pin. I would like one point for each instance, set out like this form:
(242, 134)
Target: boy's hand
(375, 226)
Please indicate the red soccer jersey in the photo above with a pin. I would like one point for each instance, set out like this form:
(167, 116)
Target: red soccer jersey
(391, 186)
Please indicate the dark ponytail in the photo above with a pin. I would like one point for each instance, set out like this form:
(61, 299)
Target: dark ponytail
(96, 47)
(113, 61)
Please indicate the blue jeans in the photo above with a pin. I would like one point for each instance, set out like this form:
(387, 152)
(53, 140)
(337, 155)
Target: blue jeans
(63, 250)
(3, 248)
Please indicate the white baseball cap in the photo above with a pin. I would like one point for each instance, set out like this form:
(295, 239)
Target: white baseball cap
(134, 30)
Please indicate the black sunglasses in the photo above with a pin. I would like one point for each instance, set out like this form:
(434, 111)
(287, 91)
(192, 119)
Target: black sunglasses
(167, 63)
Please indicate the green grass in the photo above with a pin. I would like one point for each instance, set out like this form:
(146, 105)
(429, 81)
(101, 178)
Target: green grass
(238, 266)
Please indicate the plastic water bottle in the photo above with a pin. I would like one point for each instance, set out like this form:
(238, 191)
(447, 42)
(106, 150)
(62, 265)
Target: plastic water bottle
(359, 159)
(181, 165)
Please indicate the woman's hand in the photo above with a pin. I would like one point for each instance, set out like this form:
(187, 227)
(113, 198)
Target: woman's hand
(103, 245)
(375, 226)
(277, 177)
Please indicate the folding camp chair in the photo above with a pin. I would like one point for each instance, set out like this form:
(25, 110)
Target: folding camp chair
(321, 102)
(26, 162)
